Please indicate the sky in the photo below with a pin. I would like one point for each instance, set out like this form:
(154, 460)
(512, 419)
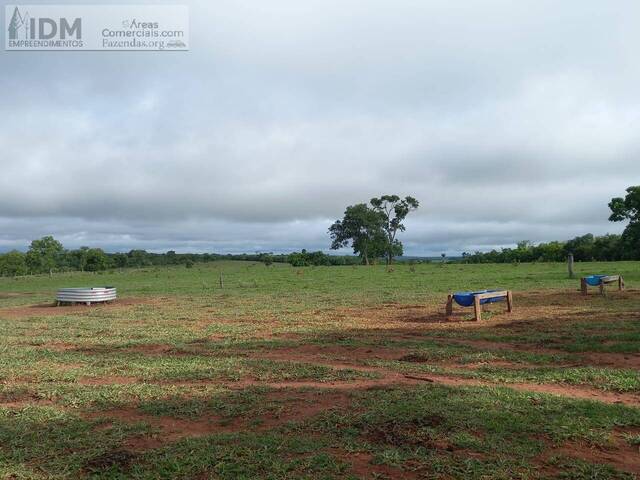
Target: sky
(507, 120)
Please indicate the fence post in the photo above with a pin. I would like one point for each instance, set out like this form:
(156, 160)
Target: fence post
(570, 264)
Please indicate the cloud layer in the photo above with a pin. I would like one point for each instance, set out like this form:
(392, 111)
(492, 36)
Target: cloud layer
(507, 120)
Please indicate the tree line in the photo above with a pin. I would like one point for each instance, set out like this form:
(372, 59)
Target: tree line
(584, 248)
(47, 255)
(370, 229)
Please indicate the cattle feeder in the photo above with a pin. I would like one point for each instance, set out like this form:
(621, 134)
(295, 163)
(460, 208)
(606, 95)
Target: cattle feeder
(85, 295)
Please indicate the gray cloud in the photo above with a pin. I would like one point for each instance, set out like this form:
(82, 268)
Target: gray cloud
(507, 120)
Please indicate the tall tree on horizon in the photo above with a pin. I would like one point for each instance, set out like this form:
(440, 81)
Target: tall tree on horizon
(393, 210)
(361, 226)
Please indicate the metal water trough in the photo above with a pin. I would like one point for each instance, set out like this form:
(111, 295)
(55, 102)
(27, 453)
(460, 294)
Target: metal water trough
(86, 295)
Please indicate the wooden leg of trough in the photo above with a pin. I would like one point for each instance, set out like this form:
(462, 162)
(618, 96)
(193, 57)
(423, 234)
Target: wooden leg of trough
(602, 288)
(583, 286)
(449, 307)
(509, 302)
(620, 283)
(477, 307)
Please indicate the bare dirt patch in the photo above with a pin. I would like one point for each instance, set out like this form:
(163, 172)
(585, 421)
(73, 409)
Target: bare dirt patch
(614, 360)
(165, 429)
(51, 309)
(489, 345)
(110, 380)
(291, 406)
(582, 393)
(620, 455)
(402, 434)
(114, 458)
(335, 356)
(19, 404)
(347, 386)
(7, 295)
(362, 465)
(394, 379)
(153, 349)
(298, 406)
(56, 346)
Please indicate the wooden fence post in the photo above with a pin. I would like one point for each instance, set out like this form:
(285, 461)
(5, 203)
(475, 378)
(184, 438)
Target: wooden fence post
(449, 309)
(477, 307)
(570, 265)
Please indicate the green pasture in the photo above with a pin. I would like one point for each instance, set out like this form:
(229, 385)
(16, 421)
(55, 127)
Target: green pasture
(306, 373)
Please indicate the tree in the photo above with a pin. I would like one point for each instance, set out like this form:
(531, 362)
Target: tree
(581, 247)
(171, 257)
(362, 227)
(12, 264)
(138, 258)
(44, 255)
(305, 259)
(96, 260)
(628, 208)
(608, 247)
(393, 210)
(266, 258)
(77, 259)
(120, 260)
(549, 252)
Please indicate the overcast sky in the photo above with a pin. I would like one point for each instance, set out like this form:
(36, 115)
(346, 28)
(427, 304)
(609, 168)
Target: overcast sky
(508, 120)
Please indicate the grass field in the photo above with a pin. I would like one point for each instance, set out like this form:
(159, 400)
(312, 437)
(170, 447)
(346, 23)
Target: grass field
(325, 372)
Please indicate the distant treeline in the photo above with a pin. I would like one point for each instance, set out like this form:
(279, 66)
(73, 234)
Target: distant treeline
(585, 248)
(47, 255)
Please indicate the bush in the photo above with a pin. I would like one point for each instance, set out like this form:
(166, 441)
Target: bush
(13, 264)
(306, 259)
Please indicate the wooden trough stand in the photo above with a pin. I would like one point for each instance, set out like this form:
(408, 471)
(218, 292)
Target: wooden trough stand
(477, 301)
(604, 280)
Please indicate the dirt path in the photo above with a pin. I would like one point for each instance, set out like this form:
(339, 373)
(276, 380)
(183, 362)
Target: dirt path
(393, 379)
(390, 377)
(402, 380)
(617, 360)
